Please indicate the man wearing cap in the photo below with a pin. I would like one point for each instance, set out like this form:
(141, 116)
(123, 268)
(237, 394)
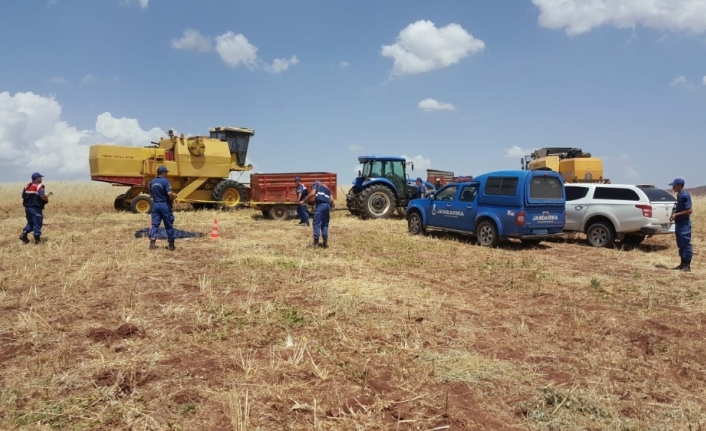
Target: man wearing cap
(302, 208)
(34, 198)
(323, 202)
(162, 197)
(420, 188)
(682, 224)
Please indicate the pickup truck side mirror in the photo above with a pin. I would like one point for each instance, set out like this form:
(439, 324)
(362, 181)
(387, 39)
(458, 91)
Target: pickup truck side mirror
(431, 196)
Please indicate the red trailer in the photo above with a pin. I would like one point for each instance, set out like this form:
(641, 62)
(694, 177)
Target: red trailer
(276, 194)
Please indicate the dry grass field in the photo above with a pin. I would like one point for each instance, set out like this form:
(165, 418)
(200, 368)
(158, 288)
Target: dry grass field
(384, 330)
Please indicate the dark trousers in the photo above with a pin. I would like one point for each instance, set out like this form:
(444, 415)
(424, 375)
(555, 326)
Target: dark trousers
(162, 213)
(303, 213)
(34, 220)
(683, 235)
(322, 214)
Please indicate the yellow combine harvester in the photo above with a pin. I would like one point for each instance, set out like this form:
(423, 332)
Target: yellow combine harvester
(199, 168)
(573, 164)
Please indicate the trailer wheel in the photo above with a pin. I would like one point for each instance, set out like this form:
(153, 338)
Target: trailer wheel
(141, 205)
(230, 193)
(279, 213)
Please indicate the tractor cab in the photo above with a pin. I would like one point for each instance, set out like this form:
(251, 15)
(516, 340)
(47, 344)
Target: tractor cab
(238, 139)
(391, 168)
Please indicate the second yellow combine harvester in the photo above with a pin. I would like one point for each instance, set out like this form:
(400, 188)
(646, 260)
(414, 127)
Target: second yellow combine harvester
(199, 169)
(573, 164)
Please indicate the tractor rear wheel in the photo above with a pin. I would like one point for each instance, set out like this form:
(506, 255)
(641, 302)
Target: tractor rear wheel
(230, 193)
(279, 213)
(141, 204)
(378, 201)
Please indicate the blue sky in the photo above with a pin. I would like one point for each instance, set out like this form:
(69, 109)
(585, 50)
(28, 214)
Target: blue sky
(461, 85)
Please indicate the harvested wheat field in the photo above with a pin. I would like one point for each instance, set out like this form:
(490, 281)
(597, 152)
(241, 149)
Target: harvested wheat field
(384, 330)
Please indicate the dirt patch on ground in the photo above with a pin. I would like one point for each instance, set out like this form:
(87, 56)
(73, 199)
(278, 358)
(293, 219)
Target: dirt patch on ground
(108, 336)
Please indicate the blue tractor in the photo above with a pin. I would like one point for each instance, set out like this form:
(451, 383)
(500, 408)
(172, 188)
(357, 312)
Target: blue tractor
(382, 187)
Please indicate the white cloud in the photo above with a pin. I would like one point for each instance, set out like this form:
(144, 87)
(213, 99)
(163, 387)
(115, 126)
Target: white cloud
(356, 148)
(58, 80)
(235, 50)
(421, 47)
(34, 138)
(516, 152)
(433, 105)
(703, 81)
(631, 173)
(344, 64)
(581, 16)
(679, 80)
(88, 79)
(143, 3)
(624, 157)
(282, 64)
(421, 164)
(193, 40)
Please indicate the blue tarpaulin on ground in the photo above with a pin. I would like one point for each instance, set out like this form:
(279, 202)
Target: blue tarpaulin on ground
(162, 233)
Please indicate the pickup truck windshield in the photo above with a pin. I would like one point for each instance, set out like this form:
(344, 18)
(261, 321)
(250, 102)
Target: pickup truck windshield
(545, 188)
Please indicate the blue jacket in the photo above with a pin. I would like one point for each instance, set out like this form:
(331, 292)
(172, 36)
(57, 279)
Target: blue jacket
(160, 188)
(323, 194)
(31, 196)
(683, 204)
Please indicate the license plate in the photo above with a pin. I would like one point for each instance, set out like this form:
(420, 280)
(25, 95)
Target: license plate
(539, 231)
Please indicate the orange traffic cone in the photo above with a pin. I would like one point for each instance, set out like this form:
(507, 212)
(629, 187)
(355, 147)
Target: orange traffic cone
(214, 231)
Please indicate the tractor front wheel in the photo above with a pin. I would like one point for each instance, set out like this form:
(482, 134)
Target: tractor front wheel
(141, 204)
(378, 201)
(230, 194)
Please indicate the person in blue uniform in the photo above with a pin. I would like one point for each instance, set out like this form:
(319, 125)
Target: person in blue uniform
(162, 197)
(323, 202)
(682, 223)
(33, 199)
(302, 208)
(421, 191)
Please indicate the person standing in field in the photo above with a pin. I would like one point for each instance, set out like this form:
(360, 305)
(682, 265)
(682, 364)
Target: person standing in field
(322, 212)
(162, 196)
(420, 190)
(34, 198)
(302, 208)
(682, 222)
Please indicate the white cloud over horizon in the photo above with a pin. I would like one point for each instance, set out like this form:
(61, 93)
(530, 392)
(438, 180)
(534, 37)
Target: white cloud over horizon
(703, 81)
(430, 105)
(34, 138)
(422, 47)
(355, 148)
(421, 163)
(581, 16)
(143, 3)
(233, 49)
(679, 80)
(517, 152)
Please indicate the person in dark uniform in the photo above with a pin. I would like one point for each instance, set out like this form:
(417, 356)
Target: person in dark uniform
(162, 196)
(421, 191)
(322, 212)
(682, 223)
(302, 208)
(34, 198)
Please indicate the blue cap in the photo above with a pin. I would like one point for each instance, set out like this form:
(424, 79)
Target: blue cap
(37, 175)
(296, 179)
(162, 169)
(420, 179)
(677, 181)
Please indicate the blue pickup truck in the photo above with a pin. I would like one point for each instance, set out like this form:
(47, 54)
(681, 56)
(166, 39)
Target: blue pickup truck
(527, 205)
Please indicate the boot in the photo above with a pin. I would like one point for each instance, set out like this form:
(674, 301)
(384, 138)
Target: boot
(37, 240)
(24, 238)
(315, 244)
(681, 265)
(153, 244)
(171, 245)
(686, 267)
(325, 244)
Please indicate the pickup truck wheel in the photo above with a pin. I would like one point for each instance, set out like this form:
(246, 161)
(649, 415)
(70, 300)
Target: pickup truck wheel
(633, 239)
(487, 234)
(600, 234)
(414, 224)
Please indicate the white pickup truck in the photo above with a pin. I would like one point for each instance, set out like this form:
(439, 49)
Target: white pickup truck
(623, 212)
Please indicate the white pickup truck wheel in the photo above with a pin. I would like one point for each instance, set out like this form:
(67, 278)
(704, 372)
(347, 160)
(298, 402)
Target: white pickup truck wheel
(600, 234)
